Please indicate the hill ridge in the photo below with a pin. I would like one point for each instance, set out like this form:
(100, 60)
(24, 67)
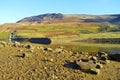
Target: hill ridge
(59, 17)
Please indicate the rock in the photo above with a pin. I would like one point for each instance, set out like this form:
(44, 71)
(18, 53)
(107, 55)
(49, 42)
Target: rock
(28, 46)
(16, 44)
(61, 47)
(51, 60)
(85, 66)
(104, 57)
(94, 71)
(31, 51)
(48, 49)
(42, 49)
(28, 55)
(75, 52)
(22, 45)
(59, 50)
(93, 58)
(65, 51)
(103, 62)
(81, 52)
(102, 53)
(24, 55)
(45, 67)
(99, 66)
(20, 50)
(85, 59)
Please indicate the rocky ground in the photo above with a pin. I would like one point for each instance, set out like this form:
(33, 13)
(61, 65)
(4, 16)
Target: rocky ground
(34, 62)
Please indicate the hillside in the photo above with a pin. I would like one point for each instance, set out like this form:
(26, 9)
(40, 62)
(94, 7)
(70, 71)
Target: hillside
(58, 18)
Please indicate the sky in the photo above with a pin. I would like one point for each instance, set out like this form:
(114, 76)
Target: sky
(14, 10)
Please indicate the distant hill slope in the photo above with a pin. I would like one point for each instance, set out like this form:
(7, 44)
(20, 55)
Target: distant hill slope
(58, 17)
(43, 17)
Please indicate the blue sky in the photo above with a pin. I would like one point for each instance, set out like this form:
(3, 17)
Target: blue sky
(14, 10)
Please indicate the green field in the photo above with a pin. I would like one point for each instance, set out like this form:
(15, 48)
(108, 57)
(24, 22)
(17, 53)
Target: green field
(65, 34)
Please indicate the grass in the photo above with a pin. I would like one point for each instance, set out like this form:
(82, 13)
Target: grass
(64, 34)
(4, 34)
(45, 29)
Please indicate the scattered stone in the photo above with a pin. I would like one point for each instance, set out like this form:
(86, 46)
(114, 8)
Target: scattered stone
(45, 67)
(22, 45)
(48, 49)
(31, 51)
(41, 48)
(93, 58)
(51, 60)
(28, 46)
(20, 50)
(99, 66)
(61, 47)
(104, 57)
(22, 55)
(94, 71)
(81, 52)
(75, 52)
(65, 51)
(28, 55)
(70, 52)
(16, 44)
(102, 53)
(103, 62)
(85, 59)
(59, 50)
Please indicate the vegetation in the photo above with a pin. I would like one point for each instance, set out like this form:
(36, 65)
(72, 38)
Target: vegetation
(67, 34)
(4, 35)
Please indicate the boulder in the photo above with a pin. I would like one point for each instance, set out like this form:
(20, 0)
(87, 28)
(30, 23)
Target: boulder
(85, 66)
(102, 53)
(94, 71)
(103, 56)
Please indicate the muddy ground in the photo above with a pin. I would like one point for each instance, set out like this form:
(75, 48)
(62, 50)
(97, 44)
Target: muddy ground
(21, 63)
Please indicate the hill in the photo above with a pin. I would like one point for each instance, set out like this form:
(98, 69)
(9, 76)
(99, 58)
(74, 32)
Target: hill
(58, 18)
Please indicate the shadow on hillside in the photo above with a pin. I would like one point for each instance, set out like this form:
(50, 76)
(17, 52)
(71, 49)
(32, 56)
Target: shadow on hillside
(34, 40)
